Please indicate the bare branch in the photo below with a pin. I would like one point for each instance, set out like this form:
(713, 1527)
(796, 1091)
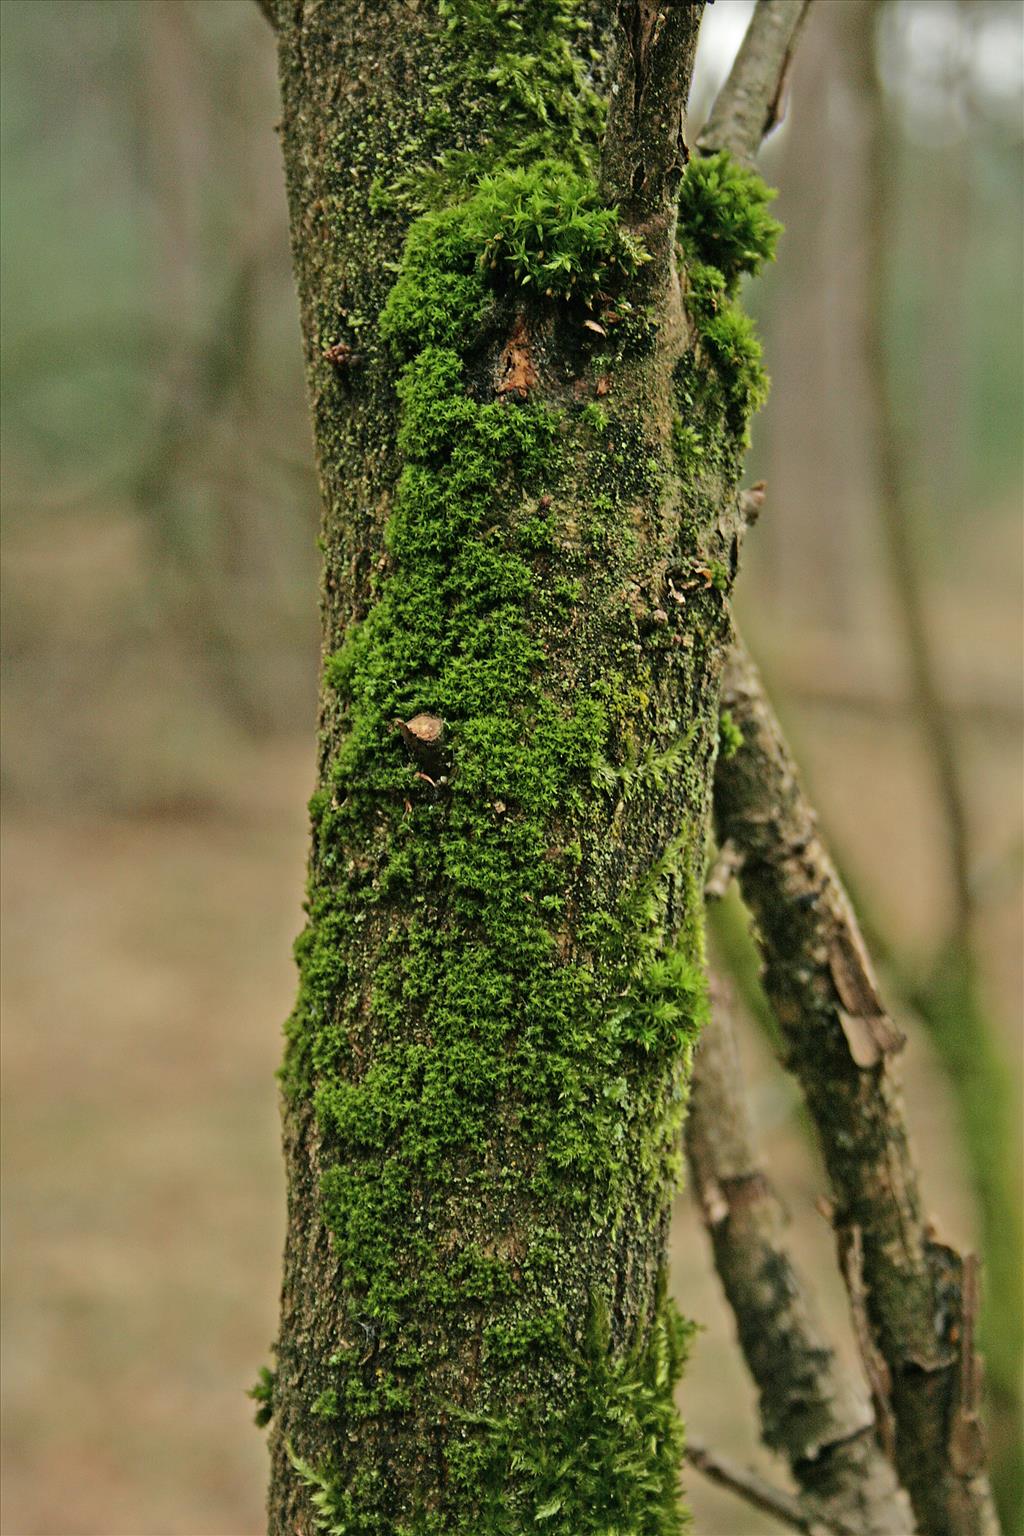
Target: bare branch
(810, 1411)
(644, 153)
(840, 1043)
(752, 100)
(754, 1490)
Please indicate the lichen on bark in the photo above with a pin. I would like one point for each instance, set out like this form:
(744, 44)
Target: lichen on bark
(501, 977)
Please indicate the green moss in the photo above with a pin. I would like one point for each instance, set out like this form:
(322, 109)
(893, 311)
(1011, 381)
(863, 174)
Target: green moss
(687, 445)
(639, 773)
(666, 1004)
(725, 232)
(510, 1343)
(730, 737)
(518, 59)
(326, 1405)
(606, 1462)
(594, 416)
(720, 579)
(730, 340)
(539, 227)
(724, 220)
(262, 1394)
(522, 55)
(501, 1017)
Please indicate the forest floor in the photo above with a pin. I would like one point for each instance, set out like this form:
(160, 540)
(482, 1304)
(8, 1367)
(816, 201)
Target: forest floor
(147, 972)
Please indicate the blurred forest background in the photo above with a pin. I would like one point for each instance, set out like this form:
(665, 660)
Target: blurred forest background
(160, 642)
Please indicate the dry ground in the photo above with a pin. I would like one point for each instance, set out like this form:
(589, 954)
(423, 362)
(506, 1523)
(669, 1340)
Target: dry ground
(146, 974)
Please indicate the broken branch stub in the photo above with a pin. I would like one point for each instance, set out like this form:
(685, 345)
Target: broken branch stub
(423, 736)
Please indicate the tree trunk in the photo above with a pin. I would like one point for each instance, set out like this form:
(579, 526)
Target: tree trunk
(528, 439)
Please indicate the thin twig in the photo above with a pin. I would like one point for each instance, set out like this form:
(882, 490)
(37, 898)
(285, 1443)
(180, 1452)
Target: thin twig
(754, 1490)
(810, 1411)
(949, 1007)
(840, 1044)
(752, 100)
(838, 1038)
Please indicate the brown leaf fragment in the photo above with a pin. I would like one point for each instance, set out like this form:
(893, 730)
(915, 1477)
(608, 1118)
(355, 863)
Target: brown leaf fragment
(516, 372)
(967, 1444)
(860, 1038)
(728, 863)
(714, 1203)
(850, 1246)
(968, 1450)
(592, 325)
(603, 385)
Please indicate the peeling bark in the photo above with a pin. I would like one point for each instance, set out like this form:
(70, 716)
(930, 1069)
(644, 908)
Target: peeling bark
(906, 1288)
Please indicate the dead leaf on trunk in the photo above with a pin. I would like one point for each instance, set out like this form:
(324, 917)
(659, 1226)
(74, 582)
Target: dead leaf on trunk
(516, 372)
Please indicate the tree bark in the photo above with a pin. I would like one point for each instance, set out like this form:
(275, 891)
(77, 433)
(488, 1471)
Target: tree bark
(523, 628)
(913, 1307)
(752, 101)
